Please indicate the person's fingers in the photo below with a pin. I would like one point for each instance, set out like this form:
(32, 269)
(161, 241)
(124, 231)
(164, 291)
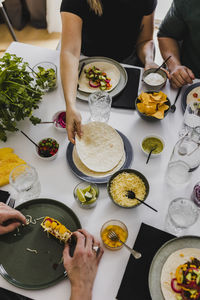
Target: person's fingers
(70, 133)
(190, 74)
(14, 214)
(185, 76)
(79, 128)
(80, 243)
(88, 239)
(9, 228)
(66, 255)
(180, 77)
(96, 242)
(174, 82)
(99, 255)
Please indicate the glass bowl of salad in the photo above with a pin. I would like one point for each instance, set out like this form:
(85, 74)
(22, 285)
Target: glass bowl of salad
(47, 149)
(46, 76)
(59, 119)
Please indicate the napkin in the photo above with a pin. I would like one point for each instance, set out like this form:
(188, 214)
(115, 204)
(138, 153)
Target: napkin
(126, 99)
(8, 295)
(135, 279)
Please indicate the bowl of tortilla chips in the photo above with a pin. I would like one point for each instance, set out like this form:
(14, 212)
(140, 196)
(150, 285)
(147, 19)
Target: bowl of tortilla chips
(152, 106)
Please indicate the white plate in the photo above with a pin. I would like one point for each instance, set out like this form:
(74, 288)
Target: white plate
(119, 87)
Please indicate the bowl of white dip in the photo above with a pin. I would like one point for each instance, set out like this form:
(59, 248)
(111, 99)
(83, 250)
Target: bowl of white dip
(154, 81)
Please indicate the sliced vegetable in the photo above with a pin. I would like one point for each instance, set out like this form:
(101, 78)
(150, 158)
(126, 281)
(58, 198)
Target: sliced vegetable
(98, 79)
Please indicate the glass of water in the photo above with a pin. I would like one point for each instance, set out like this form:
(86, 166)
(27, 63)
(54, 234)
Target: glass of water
(24, 179)
(182, 213)
(178, 172)
(100, 106)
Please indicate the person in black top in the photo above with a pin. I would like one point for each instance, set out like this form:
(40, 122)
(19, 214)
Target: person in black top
(119, 29)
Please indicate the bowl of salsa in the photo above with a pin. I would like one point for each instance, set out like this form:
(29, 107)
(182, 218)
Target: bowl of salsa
(47, 149)
(153, 141)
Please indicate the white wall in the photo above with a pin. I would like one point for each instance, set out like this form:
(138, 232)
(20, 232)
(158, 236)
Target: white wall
(162, 8)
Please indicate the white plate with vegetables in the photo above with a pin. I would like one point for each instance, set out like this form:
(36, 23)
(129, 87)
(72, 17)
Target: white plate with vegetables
(100, 73)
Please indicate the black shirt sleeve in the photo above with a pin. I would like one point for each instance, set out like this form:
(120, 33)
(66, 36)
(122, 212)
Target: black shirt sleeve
(76, 7)
(149, 6)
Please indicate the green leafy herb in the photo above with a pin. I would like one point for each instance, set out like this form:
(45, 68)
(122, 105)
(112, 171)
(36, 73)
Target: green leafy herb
(19, 94)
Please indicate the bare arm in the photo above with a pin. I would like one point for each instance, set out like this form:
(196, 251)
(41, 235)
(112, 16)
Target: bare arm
(69, 61)
(179, 74)
(145, 45)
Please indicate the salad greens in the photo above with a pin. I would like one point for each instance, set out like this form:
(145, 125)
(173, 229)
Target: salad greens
(46, 78)
(19, 94)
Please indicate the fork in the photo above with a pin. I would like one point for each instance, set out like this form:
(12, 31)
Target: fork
(114, 237)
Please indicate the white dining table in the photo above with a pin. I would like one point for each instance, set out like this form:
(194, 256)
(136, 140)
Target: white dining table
(58, 181)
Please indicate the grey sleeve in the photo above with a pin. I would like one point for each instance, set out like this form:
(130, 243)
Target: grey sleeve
(173, 24)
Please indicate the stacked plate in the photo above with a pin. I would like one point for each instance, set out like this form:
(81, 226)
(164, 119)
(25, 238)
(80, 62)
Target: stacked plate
(99, 153)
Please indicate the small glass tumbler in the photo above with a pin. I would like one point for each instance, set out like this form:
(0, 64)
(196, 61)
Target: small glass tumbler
(86, 194)
(100, 106)
(178, 172)
(182, 213)
(24, 179)
(46, 76)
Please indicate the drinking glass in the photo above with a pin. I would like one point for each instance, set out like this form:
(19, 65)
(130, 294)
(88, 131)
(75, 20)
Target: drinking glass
(178, 172)
(185, 157)
(191, 118)
(24, 179)
(182, 213)
(100, 106)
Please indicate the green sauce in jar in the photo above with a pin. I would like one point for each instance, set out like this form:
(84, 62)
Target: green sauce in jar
(152, 142)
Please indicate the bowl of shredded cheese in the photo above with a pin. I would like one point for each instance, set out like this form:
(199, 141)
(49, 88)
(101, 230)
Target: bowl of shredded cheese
(125, 186)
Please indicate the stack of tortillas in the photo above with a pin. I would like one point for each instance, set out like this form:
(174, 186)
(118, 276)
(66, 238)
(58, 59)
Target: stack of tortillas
(100, 151)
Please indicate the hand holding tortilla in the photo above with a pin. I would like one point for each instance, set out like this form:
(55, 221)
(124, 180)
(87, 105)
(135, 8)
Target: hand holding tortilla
(73, 123)
(180, 276)
(99, 76)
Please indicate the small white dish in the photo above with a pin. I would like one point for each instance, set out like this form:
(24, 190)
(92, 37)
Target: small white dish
(56, 123)
(156, 137)
(52, 157)
(156, 86)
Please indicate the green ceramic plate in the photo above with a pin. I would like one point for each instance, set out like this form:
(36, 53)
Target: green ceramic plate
(29, 270)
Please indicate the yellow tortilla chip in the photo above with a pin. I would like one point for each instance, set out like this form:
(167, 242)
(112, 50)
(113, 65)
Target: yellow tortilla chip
(150, 109)
(163, 107)
(144, 97)
(159, 114)
(141, 107)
